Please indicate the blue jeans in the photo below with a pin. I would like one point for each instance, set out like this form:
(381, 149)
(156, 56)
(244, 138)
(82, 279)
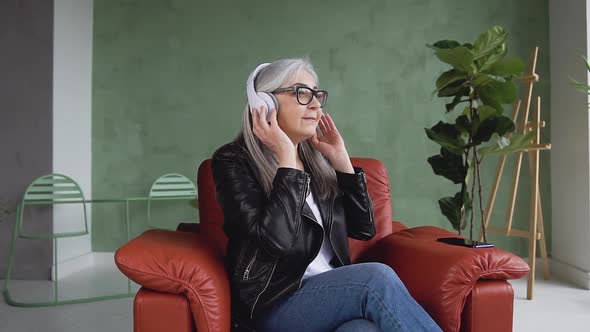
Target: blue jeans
(358, 297)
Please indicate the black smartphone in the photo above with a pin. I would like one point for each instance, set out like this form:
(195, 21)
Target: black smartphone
(457, 241)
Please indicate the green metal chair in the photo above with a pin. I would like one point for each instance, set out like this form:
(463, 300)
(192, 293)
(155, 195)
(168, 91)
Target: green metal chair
(48, 190)
(171, 186)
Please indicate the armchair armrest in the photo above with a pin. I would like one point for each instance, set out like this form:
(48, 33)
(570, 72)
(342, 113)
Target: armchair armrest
(189, 227)
(441, 276)
(180, 263)
(397, 226)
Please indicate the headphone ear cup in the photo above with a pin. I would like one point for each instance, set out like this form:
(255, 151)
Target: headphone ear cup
(271, 102)
(255, 99)
(274, 101)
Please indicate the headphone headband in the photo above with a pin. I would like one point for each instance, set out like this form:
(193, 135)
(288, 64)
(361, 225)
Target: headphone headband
(259, 99)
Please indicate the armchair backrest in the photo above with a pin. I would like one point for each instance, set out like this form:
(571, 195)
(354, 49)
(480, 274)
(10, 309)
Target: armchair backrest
(211, 215)
(380, 192)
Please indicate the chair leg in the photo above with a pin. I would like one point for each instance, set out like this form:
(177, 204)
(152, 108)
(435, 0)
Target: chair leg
(489, 307)
(56, 281)
(7, 297)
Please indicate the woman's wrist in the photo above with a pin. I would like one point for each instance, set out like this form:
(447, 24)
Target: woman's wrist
(287, 160)
(343, 165)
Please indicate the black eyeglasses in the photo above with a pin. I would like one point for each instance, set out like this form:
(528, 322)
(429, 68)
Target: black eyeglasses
(305, 94)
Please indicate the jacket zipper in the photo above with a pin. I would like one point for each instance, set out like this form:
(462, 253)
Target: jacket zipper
(306, 192)
(241, 256)
(302, 205)
(330, 222)
(247, 272)
(264, 289)
(316, 253)
(369, 203)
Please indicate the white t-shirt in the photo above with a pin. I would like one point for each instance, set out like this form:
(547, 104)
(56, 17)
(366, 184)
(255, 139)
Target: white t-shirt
(321, 263)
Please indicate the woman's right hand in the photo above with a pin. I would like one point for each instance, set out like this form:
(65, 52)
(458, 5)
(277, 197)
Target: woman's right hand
(274, 137)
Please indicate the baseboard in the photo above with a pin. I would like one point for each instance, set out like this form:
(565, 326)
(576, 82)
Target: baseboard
(569, 273)
(73, 265)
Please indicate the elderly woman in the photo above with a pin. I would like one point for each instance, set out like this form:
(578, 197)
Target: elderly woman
(291, 198)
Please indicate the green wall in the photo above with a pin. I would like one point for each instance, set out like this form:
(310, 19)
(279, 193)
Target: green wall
(168, 89)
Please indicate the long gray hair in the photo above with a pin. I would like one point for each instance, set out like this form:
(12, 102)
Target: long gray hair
(269, 79)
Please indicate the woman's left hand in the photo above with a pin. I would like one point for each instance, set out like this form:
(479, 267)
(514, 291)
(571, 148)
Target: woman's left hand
(331, 145)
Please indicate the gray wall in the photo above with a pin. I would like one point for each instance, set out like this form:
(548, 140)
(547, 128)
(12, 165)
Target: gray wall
(26, 61)
(570, 134)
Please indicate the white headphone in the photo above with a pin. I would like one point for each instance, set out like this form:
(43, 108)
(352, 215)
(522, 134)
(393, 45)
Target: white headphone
(259, 99)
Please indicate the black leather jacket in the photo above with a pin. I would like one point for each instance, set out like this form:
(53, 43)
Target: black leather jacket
(272, 239)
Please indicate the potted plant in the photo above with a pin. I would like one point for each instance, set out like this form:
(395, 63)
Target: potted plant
(581, 86)
(482, 78)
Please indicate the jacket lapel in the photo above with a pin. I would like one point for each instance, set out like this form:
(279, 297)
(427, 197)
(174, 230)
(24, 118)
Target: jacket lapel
(308, 213)
(324, 205)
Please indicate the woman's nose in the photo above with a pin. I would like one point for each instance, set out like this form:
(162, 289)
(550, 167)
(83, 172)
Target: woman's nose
(315, 103)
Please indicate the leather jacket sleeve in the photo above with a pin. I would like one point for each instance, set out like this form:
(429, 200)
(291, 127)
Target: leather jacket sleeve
(272, 221)
(358, 207)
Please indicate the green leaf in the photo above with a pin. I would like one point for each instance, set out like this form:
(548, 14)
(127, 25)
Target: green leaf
(467, 111)
(482, 80)
(498, 93)
(489, 42)
(580, 86)
(500, 125)
(448, 165)
(459, 57)
(486, 111)
(457, 88)
(449, 77)
(505, 126)
(444, 44)
(490, 47)
(509, 66)
(489, 101)
(485, 79)
(447, 135)
(463, 124)
(451, 208)
(517, 142)
(486, 62)
(450, 106)
(485, 130)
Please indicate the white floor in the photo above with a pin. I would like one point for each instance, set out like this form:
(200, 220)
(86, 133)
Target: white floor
(102, 279)
(556, 307)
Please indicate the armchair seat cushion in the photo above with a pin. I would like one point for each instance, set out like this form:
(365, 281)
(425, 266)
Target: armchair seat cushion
(441, 276)
(180, 263)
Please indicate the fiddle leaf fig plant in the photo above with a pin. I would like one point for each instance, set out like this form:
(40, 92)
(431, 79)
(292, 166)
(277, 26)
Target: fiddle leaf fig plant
(481, 78)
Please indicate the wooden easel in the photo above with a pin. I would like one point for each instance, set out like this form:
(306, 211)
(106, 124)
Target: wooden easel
(536, 230)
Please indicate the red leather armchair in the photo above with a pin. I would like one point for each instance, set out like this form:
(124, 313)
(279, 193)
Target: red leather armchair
(185, 287)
